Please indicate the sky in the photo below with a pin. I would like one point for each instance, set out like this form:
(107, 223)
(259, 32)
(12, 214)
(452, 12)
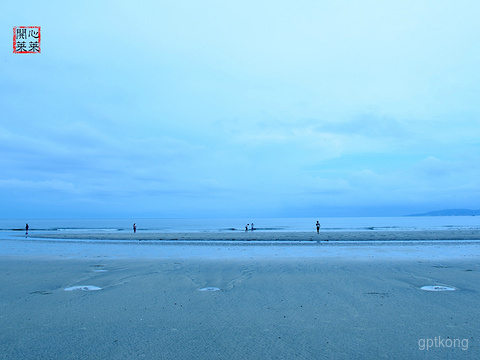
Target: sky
(216, 109)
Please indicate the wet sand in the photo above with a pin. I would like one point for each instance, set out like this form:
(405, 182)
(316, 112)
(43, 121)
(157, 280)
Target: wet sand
(285, 302)
(374, 235)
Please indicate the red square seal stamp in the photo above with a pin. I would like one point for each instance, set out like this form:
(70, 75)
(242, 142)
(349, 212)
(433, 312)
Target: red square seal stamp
(26, 39)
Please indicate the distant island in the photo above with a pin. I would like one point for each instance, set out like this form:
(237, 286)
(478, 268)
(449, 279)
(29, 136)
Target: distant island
(450, 212)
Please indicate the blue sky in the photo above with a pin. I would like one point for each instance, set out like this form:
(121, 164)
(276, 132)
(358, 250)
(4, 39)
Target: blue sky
(240, 109)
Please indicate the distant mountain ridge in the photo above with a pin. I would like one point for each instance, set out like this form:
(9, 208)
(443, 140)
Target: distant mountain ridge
(450, 212)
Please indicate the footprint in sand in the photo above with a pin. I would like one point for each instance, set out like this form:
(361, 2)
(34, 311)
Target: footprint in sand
(41, 292)
(225, 280)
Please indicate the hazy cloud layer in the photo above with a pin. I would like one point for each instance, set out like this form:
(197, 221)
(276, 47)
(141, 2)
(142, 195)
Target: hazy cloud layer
(278, 108)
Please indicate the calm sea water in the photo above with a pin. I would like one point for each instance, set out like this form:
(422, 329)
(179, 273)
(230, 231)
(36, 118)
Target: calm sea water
(227, 225)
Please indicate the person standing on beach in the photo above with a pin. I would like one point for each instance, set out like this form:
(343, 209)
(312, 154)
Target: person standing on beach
(134, 228)
(318, 227)
(246, 227)
(252, 227)
(26, 229)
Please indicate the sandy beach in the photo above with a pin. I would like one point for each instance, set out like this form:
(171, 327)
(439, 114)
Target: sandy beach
(437, 235)
(285, 302)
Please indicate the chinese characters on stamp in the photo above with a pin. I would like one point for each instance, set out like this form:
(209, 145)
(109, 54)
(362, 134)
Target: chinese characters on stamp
(26, 39)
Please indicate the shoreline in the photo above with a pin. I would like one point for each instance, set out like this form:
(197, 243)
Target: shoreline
(364, 235)
(380, 250)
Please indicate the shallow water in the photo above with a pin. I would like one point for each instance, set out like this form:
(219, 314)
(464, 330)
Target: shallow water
(236, 225)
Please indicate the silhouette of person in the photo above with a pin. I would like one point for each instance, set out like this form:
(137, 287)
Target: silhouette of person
(318, 227)
(26, 229)
(252, 227)
(134, 228)
(246, 227)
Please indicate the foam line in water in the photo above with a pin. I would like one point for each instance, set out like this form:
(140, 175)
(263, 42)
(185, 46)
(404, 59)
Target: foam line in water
(83, 288)
(211, 288)
(437, 288)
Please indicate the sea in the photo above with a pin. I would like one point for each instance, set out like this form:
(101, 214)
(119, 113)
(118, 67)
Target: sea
(406, 223)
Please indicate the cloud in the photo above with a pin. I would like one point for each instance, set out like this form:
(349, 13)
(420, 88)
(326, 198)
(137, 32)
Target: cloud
(47, 185)
(271, 106)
